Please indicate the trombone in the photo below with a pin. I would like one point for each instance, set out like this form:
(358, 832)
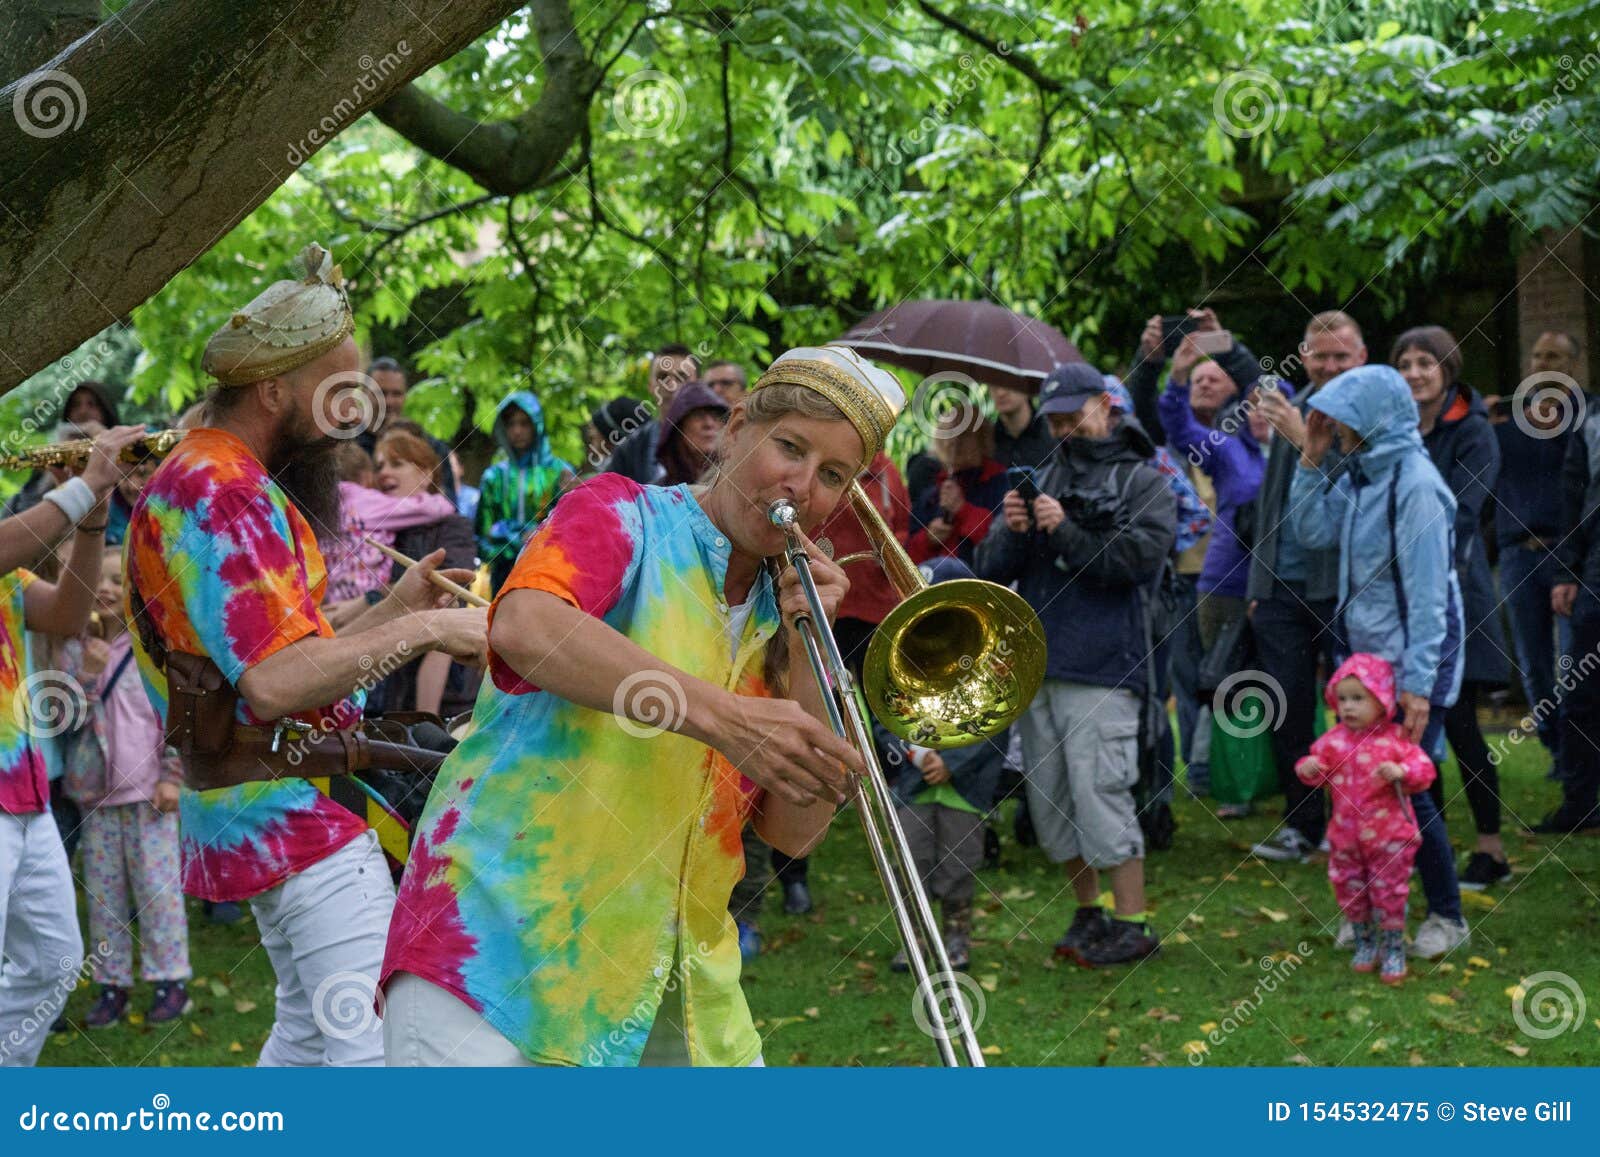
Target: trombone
(947, 667)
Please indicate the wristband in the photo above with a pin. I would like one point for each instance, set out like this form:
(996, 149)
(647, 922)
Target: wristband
(74, 499)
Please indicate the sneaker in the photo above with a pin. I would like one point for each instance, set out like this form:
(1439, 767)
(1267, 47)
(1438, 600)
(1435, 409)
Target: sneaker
(1568, 820)
(110, 1008)
(749, 940)
(796, 898)
(1482, 871)
(171, 1000)
(1366, 957)
(1393, 949)
(1288, 845)
(1438, 936)
(1346, 936)
(1325, 847)
(1088, 926)
(1123, 943)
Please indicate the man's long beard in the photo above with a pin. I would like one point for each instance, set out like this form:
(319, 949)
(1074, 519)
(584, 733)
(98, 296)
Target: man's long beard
(308, 472)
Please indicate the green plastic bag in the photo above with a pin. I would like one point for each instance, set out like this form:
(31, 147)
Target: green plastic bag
(1243, 768)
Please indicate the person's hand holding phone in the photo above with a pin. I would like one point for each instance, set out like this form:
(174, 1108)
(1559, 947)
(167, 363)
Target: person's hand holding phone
(1184, 359)
(1150, 340)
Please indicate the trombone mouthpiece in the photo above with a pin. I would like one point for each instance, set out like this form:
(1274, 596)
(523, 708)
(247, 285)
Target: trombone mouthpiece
(782, 514)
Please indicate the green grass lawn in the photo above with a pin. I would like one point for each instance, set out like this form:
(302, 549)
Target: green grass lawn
(822, 993)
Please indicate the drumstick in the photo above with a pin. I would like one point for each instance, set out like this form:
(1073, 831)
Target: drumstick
(434, 577)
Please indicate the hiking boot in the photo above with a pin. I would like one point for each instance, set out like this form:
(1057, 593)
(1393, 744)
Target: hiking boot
(1088, 926)
(171, 1000)
(796, 898)
(1438, 936)
(1366, 957)
(110, 1008)
(1287, 846)
(1124, 943)
(1482, 871)
(1393, 949)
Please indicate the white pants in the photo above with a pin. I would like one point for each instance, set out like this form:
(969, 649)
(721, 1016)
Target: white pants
(425, 1026)
(324, 930)
(41, 952)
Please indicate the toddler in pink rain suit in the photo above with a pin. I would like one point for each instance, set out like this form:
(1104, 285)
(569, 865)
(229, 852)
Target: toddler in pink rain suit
(1369, 767)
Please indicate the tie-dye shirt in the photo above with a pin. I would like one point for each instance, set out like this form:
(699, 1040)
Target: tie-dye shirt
(571, 862)
(228, 568)
(24, 787)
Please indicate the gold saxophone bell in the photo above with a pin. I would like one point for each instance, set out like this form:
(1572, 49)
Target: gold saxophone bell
(75, 454)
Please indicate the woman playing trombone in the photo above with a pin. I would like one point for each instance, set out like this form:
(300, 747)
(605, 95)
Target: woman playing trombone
(566, 898)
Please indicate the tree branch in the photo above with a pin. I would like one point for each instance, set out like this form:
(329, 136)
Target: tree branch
(516, 155)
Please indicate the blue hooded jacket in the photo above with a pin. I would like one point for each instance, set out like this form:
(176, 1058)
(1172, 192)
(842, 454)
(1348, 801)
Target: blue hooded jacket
(1393, 519)
(517, 489)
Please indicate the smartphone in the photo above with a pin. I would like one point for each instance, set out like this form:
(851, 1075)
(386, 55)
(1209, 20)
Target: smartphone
(1212, 342)
(1174, 329)
(1020, 479)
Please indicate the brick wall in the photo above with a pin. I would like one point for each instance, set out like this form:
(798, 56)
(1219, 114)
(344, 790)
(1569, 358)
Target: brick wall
(1556, 278)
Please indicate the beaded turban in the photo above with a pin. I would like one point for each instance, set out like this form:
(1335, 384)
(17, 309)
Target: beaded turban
(290, 324)
(869, 397)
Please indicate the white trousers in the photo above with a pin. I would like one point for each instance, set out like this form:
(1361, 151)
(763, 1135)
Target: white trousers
(425, 1026)
(41, 951)
(324, 930)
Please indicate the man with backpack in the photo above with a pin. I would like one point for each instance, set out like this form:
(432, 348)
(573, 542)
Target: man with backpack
(1085, 550)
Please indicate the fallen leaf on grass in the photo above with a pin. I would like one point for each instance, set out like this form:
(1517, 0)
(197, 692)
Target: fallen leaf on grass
(988, 983)
(195, 1029)
(1517, 1050)
(1379, 1046)
(1273, 914)
(813, 1013)
(1229, 934)
(1179, 938)
(1357, 1013)
(1481, 899)
(992, 1050)
(1209, 1026)
(1195, 1048)
(1478, 962)
(1441, 998)
(236, 1047)
(1415, 1059)
(244, 1006)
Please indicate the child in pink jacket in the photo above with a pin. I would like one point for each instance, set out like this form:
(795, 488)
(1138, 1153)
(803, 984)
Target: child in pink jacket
(1370, 767)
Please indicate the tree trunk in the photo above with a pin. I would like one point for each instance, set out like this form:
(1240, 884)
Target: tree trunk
(143, 143)
(32, 31)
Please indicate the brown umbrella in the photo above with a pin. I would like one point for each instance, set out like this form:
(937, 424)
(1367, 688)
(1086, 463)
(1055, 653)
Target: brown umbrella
(994, 345)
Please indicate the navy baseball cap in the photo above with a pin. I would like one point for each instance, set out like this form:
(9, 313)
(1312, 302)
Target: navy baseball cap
(1071, 387)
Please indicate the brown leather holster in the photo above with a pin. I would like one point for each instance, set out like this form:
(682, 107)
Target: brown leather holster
(218, 751)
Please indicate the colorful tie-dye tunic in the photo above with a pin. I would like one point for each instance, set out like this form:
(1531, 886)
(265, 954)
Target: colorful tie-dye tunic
(571, 862)
(24, 787)
(227, 567)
